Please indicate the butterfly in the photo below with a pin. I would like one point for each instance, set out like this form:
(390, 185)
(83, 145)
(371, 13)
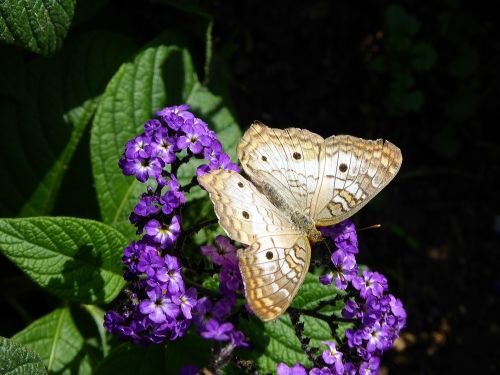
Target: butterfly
(299, 181)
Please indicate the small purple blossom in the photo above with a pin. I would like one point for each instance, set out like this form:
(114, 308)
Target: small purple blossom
(333, 357)
(142, 168)
(163, 234)
(223, 253)
(345, 268)
(216, 331)
(283, 369)
(186, 301)
(370, 283)
(158, 307)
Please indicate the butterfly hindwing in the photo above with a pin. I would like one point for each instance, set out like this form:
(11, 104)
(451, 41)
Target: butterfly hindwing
(243, 212)
(287, 160)
(353, 171)
(273, 269)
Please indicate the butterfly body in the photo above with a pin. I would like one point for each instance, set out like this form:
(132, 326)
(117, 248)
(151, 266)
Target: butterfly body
(299, 181)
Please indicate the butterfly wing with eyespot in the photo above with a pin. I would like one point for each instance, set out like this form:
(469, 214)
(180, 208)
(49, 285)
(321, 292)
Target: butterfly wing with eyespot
(244, 212)
(353, 171)
(285, 160)
(273, 269)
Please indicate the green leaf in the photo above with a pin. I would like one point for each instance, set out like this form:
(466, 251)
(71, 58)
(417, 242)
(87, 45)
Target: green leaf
(131, 359)
(38, 25)
(276, 341)
(205, 20)
(97, 316)
(75, 259)
(58, 341)
(47, 123)
(161, 74)
(16, 359)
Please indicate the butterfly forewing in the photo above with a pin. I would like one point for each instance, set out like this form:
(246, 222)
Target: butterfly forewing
(273, 269)
(243, 212)
(353, 171)
(287, 160)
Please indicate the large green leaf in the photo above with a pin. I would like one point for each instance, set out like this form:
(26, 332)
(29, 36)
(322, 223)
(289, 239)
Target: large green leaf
(46, 123)
(276, 342)
(75, 259)
(16, 359)
(161, 74)
(36, 25)
(58, 341)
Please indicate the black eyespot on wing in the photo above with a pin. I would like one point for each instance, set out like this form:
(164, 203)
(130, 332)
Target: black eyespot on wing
(343, 167)
(245, 214)
(240, 184)
(269, 255)
(297, 155)
(264, 158)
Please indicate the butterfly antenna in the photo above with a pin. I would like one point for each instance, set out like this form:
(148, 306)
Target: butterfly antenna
(326, 244)
(374, 226)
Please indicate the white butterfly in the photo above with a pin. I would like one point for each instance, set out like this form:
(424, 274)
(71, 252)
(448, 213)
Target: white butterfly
(299, 181)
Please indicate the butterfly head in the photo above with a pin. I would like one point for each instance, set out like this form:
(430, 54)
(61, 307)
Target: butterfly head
(314, 236)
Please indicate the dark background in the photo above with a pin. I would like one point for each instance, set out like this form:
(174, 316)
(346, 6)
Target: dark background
(423, 75)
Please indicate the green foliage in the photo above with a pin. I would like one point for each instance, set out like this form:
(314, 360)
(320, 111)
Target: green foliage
(39, 26)
(404, 55)
(58, 341)
(164, 74)
(75, 259)
(51, 104)
(16, 359)
(277, 342)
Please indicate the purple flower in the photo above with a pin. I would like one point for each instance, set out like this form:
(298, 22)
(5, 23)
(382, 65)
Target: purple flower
(158, 307)
(149, 261)
(326, 279)
(146, 206)
(283, 369)
(350, 369)
(351, 309)
(151, 126)
(354, 337)
(223, 307)
(332, 356)
(195, 137)
(223, 253)
(343, 235)
(322, 371)
(398, 310)
(163, 146)
(163, 234)
(376, 336)
(170, 273)
(171, 200)
(345, 267)
(370, 367)
(187, 301)
(213, 150)
(138, 148)
(238, 339)
(142, 168)
(370, 283)
(222, 161)
(230, 278)
(216, 331)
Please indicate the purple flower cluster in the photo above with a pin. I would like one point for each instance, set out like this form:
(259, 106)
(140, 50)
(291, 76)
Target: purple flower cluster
(378, 316)
(158, 306)
(210, 316)
(174, 131)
